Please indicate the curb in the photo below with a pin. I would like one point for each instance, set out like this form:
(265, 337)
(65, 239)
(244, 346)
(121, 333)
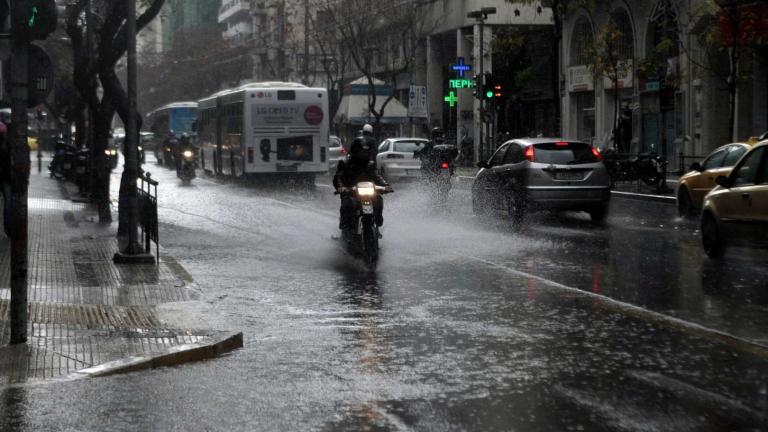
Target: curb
(171, 357)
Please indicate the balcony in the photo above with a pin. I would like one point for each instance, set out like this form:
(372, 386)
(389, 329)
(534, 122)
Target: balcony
(234, 9)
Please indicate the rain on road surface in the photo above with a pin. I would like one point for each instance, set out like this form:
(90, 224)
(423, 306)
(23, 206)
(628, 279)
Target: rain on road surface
(458, 329)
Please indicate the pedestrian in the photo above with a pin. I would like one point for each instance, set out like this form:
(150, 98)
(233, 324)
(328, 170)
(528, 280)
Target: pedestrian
(5, 177)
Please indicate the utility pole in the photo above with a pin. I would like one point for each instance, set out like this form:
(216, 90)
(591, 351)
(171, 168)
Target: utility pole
(133, 253)
(306, 42)
(481, 15)
(20, 164)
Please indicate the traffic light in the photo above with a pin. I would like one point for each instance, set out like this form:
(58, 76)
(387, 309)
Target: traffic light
(489, 86)
(477, 89)
(33, 19)
(498, 91)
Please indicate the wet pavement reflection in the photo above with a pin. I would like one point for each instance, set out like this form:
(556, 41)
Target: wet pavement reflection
(464, 325)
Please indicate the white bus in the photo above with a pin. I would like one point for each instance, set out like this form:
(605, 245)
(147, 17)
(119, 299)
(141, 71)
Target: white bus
(268, 128)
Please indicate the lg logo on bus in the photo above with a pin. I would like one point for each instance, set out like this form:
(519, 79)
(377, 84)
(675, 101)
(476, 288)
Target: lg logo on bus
(313, 115)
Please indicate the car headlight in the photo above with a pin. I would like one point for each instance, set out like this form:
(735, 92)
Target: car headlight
(188, 154)
(141, 148)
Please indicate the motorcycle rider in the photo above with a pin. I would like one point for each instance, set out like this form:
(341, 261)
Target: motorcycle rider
(184, 144)
(435, 152)
(358, 167)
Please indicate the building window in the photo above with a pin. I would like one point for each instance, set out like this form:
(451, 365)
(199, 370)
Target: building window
(581, 40)
(626, 42)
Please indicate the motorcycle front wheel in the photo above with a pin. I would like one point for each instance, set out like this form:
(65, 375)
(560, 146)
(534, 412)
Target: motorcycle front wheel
(370, 241)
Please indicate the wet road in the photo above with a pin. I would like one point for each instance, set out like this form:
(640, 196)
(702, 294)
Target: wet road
(465, 325)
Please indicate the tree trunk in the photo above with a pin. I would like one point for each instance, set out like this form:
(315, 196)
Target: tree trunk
(102, 124)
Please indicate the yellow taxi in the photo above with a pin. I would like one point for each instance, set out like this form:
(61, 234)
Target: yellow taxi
(692, 187)
(736, 211)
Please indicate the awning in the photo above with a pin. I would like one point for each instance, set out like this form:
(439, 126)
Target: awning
(353, 109)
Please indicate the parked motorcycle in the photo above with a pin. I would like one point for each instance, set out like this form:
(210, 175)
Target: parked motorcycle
(186, 170)
(62, 165)
(650, 168)
(363, 239)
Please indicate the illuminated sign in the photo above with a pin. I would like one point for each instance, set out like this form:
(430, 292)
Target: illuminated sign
(461, 68)
(461, 83)
(451, 99)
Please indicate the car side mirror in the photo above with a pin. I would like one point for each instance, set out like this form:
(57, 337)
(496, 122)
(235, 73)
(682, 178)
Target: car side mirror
(697, 167)
(723, 181)
(483, 164)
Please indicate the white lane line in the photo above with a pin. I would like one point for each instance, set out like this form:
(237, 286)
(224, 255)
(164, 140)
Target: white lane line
(638, 312)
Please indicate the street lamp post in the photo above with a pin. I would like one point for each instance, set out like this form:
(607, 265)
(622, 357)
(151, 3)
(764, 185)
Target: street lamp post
(480, 16)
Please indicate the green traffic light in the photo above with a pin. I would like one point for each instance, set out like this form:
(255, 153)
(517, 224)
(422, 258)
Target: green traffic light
(489, 94)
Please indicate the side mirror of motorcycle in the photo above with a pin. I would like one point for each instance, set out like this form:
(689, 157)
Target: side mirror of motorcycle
(483, 164)
(723, 181)
(696, 167)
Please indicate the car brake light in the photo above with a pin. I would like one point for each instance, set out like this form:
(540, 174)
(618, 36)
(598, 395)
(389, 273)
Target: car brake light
(529, 153)
(444, 165)
(561, 144)
(596, 152)
(343, 151)
(395, 156)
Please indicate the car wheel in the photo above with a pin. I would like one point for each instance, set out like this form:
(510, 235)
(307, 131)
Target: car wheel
(478, 207)
(516, 209)
(710, 236)
(684, 207)
(598, 215)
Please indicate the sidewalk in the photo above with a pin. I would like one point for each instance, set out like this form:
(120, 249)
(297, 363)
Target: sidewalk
(87, 315)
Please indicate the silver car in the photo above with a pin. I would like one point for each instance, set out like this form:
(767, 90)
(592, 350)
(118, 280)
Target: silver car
(336, 152)
(395, 158)
(542, 173)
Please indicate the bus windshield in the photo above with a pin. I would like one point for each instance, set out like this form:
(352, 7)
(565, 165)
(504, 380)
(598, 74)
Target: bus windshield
(181, 120)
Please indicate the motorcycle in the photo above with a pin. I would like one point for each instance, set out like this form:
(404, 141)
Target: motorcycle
(186, 171)
(64, 157)
(363, 239)
(438, 167)
(650, 168)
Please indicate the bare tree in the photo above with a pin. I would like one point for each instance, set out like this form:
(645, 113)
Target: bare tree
(381, 39)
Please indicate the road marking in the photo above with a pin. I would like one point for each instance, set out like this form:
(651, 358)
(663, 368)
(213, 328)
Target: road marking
(638, 312)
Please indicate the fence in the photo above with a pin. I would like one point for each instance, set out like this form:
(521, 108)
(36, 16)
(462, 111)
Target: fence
(147, 198)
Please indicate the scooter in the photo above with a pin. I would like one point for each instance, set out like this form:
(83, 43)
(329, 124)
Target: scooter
(186, 171)
(363, 239)
(63, 163)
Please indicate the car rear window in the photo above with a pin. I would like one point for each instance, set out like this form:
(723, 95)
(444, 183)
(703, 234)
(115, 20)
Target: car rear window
(563, 153)
(407, 146)
(335, 142)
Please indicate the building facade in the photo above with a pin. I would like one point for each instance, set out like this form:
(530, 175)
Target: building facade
(187, 15)
(669, 95)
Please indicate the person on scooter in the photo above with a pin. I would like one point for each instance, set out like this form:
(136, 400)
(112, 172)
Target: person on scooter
(435, 152)
(358, 167)
(184, 144)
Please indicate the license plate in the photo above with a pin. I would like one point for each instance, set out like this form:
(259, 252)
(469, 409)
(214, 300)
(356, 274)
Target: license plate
(367, 208)
(566, 175)
(445, 173)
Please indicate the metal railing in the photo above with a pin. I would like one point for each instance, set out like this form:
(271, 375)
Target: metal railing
(148, 222)
(684, 162)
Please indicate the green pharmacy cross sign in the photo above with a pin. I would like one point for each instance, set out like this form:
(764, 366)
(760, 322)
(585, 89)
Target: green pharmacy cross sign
(451, 99)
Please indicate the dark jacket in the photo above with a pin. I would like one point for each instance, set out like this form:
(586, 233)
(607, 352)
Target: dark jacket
(349, 173)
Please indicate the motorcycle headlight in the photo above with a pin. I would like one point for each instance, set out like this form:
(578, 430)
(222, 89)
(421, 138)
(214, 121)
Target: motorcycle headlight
(366, 189)
(107, 152)
(188, 154)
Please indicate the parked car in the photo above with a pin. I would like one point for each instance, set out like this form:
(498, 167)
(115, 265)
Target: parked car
(736, 211)
(336, 152)
(693, 186)
(395, 159)
(542, 173)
